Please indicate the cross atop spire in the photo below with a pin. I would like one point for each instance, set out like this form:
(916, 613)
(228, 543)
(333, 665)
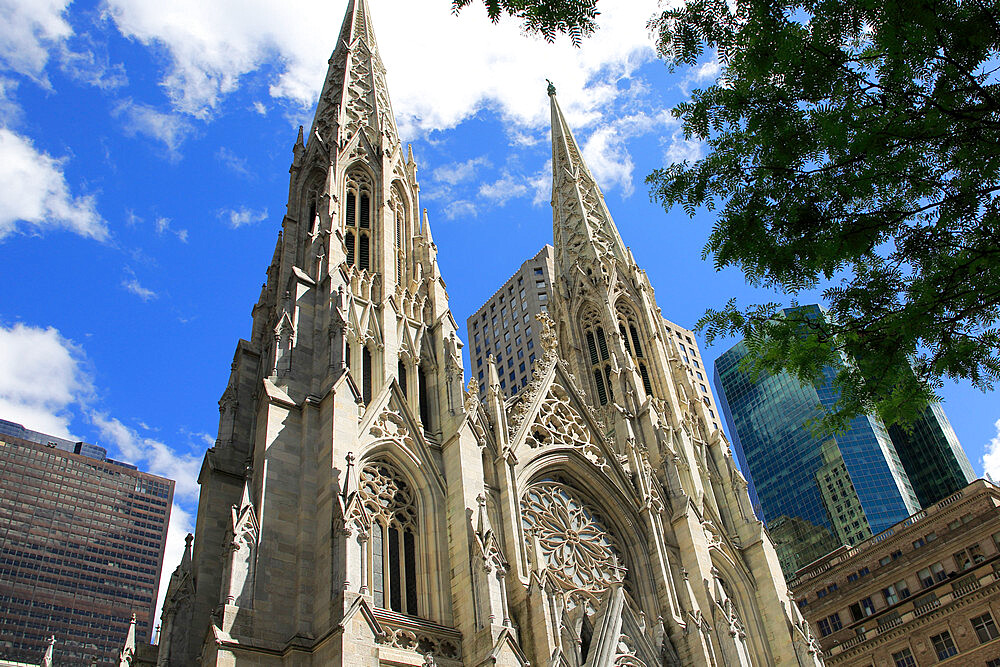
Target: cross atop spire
(583, 231)
(354, 96)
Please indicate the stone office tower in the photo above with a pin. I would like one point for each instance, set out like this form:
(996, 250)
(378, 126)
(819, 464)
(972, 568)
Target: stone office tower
(361, 508)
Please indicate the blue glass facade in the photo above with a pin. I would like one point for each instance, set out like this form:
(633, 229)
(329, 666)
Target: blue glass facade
(794, 481)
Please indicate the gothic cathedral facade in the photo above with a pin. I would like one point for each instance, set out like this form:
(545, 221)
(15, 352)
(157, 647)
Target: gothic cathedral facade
(361, 506)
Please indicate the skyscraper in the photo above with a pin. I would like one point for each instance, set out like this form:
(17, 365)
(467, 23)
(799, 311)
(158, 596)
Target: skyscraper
(371, 510)
(816, 494)
(505, 325)
(81, 547)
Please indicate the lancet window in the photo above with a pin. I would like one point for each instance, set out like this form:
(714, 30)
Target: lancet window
(628, 328)
(391, 503)
(399, 216)
(357, 220)
(401, 376)
(366, 375)
(598, 355)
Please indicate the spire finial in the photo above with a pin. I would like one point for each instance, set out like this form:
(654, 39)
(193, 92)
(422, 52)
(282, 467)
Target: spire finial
(551, 89)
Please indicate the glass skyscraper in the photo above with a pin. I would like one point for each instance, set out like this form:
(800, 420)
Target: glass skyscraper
(817, 494)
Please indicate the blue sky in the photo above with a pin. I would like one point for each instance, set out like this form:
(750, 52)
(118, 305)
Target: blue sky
(144, 157)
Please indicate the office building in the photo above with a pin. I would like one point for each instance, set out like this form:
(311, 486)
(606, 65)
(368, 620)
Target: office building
(505, 325)
(371, 510)
(81, 547)
(923, 592)
(816, 494)
(689, 356)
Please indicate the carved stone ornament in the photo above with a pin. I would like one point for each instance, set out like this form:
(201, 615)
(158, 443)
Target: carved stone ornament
(579, 552)
(386, 495)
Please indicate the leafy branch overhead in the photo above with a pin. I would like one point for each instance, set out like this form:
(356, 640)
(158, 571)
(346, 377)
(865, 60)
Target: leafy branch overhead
(852, 147)
(575, 18)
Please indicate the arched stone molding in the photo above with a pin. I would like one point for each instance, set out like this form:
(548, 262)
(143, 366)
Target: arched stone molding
(433, 582)
(742, 592)
(616, 505)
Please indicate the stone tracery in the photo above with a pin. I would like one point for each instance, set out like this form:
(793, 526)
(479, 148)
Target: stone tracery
(579, 551)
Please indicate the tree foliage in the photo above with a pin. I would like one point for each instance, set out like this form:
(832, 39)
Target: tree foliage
(548, 18)
(852, 146)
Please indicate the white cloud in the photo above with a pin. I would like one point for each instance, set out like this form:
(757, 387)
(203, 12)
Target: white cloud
(10, 110)
(461, 208)
(163, 226)
(680, 149)
(243, 216)
(35, 192)
(233, 161)
(505, 188)
(991, 457)
(181, 523)
(169, 129)
(541, 183)
(132, 284)
(89, 63)
(30, 29)
(151, 455)
(606, 154)
(260, 108)
(42, 375)
(207, 63)
(454, 173)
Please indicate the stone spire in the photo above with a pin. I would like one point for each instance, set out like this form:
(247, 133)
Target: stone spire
(582, 229)
(354, 96)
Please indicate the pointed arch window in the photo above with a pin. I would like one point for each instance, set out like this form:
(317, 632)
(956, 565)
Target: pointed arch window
(357, 220)
(401, 376)
(399, 216)
(390, 501)
(598, 354)
(425, 405)
(628, 327)
(366, 375)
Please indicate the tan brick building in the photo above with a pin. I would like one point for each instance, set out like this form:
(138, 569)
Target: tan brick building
(924, 592)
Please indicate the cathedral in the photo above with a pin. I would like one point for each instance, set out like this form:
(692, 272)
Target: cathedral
(361, 506)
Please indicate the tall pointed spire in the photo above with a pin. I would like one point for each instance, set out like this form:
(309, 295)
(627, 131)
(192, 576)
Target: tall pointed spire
(583, 231)
(354, 95)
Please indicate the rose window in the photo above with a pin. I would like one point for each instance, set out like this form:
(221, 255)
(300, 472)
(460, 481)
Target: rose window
(577, 548)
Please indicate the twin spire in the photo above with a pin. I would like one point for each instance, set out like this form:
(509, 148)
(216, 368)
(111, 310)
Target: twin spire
(583, 231)
(355, 101)
(355, 97)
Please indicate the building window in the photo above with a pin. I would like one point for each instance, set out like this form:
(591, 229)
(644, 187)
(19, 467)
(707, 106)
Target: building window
(391, 503)
(424, 399)
(895, 592)
(366, 375)
(357, 225)
(931, 575)
(598, 355)
(401, 373)
(543, 297)
(944, 646)
(985, 628)
(862, 608)
(904, 658)
(538, 272)
(830, 624)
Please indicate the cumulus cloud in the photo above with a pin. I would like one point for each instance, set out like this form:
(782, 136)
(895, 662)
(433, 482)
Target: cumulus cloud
(505, 188)
(461, 208)
(42, 376)
(150, 455)
(991, 456)
(243, 216)
(605, 151)
(454, 173)
(31, 29)
(205, 64)
(169, 129)
(35, 195)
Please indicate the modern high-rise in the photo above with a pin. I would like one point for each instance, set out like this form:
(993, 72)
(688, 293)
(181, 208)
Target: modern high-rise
(81, 547)
(818, 493)
(505, 325)
(370, 510)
